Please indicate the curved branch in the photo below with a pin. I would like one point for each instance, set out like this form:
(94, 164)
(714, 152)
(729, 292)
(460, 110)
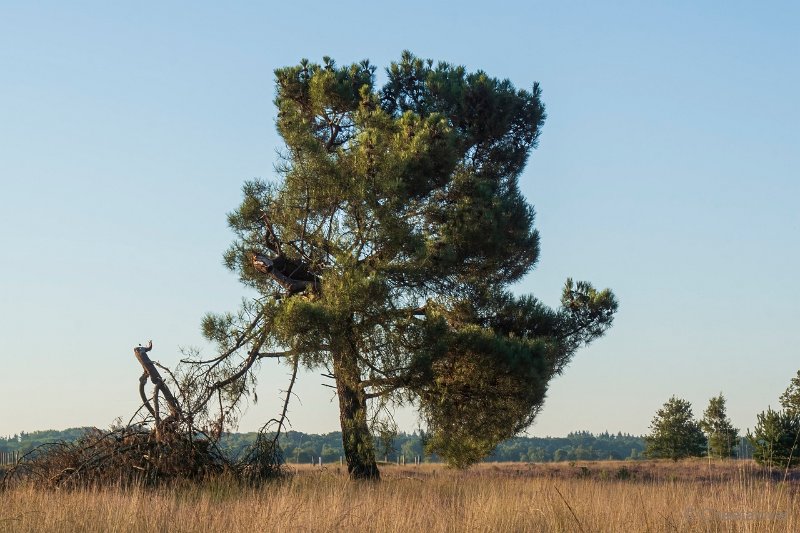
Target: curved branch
(253, 356)
(238, 343)
(282, 420)
(145, 400)
(155, 377)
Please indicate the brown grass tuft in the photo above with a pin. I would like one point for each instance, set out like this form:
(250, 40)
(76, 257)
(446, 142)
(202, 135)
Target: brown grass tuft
(654, 496)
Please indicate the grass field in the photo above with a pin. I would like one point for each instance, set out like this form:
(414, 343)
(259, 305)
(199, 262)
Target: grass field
(692, 495)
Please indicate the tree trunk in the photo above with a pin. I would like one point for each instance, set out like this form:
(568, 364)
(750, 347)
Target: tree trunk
(356, 437)
(155, 376)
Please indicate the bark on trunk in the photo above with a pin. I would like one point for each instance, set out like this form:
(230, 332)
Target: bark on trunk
(151, 371)
(356, 437)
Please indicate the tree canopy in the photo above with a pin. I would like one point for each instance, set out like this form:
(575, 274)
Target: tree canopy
(722, 436)
(675, 433)
(790, 399)
(384, 251)
(775, 439)
(776, 436)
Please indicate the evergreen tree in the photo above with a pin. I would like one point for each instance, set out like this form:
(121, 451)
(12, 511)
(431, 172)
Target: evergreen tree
(384, 255)
(674, 432)
(775, 439)
(722, 436)
(790, 399)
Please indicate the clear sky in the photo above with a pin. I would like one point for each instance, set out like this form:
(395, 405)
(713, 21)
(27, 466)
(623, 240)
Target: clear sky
(667, 170)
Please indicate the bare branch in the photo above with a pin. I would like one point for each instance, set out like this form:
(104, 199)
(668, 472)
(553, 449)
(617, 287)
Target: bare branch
(240, 341)
(282, 419)
(274, 355)
(145, 401)
(155, 377)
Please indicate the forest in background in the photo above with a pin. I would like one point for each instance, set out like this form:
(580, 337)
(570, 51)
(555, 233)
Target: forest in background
(301, 447)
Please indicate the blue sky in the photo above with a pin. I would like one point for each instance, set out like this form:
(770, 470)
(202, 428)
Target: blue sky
(667, 170)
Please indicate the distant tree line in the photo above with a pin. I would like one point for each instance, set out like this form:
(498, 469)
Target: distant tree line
(576, 446)
(301, 447)
(675, 434)
(582, 445)
(24, 442)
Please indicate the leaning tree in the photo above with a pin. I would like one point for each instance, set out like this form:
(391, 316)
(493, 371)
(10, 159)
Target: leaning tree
(384, 252)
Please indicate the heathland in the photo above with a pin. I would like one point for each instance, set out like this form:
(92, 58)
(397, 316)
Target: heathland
(689, 495)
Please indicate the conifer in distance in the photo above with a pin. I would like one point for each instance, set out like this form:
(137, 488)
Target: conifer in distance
(674, 432)
(722, 436)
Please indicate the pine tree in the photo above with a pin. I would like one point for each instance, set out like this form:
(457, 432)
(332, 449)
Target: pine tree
(775, 439)
(674, 432)
(790, 399)
(722, 436)
(384, 253)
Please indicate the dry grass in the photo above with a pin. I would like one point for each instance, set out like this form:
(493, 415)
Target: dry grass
(654, 496)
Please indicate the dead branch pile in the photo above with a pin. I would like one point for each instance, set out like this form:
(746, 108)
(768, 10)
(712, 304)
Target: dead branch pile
(150, 450)
(133, 455)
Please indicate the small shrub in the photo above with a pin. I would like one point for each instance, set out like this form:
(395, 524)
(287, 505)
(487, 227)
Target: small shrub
(623, 473)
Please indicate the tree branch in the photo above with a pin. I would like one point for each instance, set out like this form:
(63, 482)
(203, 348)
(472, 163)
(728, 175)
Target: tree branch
(238, 343)
(387, 385)
(266, 265)
(281, 421)
(145, 400)
(155, 377)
